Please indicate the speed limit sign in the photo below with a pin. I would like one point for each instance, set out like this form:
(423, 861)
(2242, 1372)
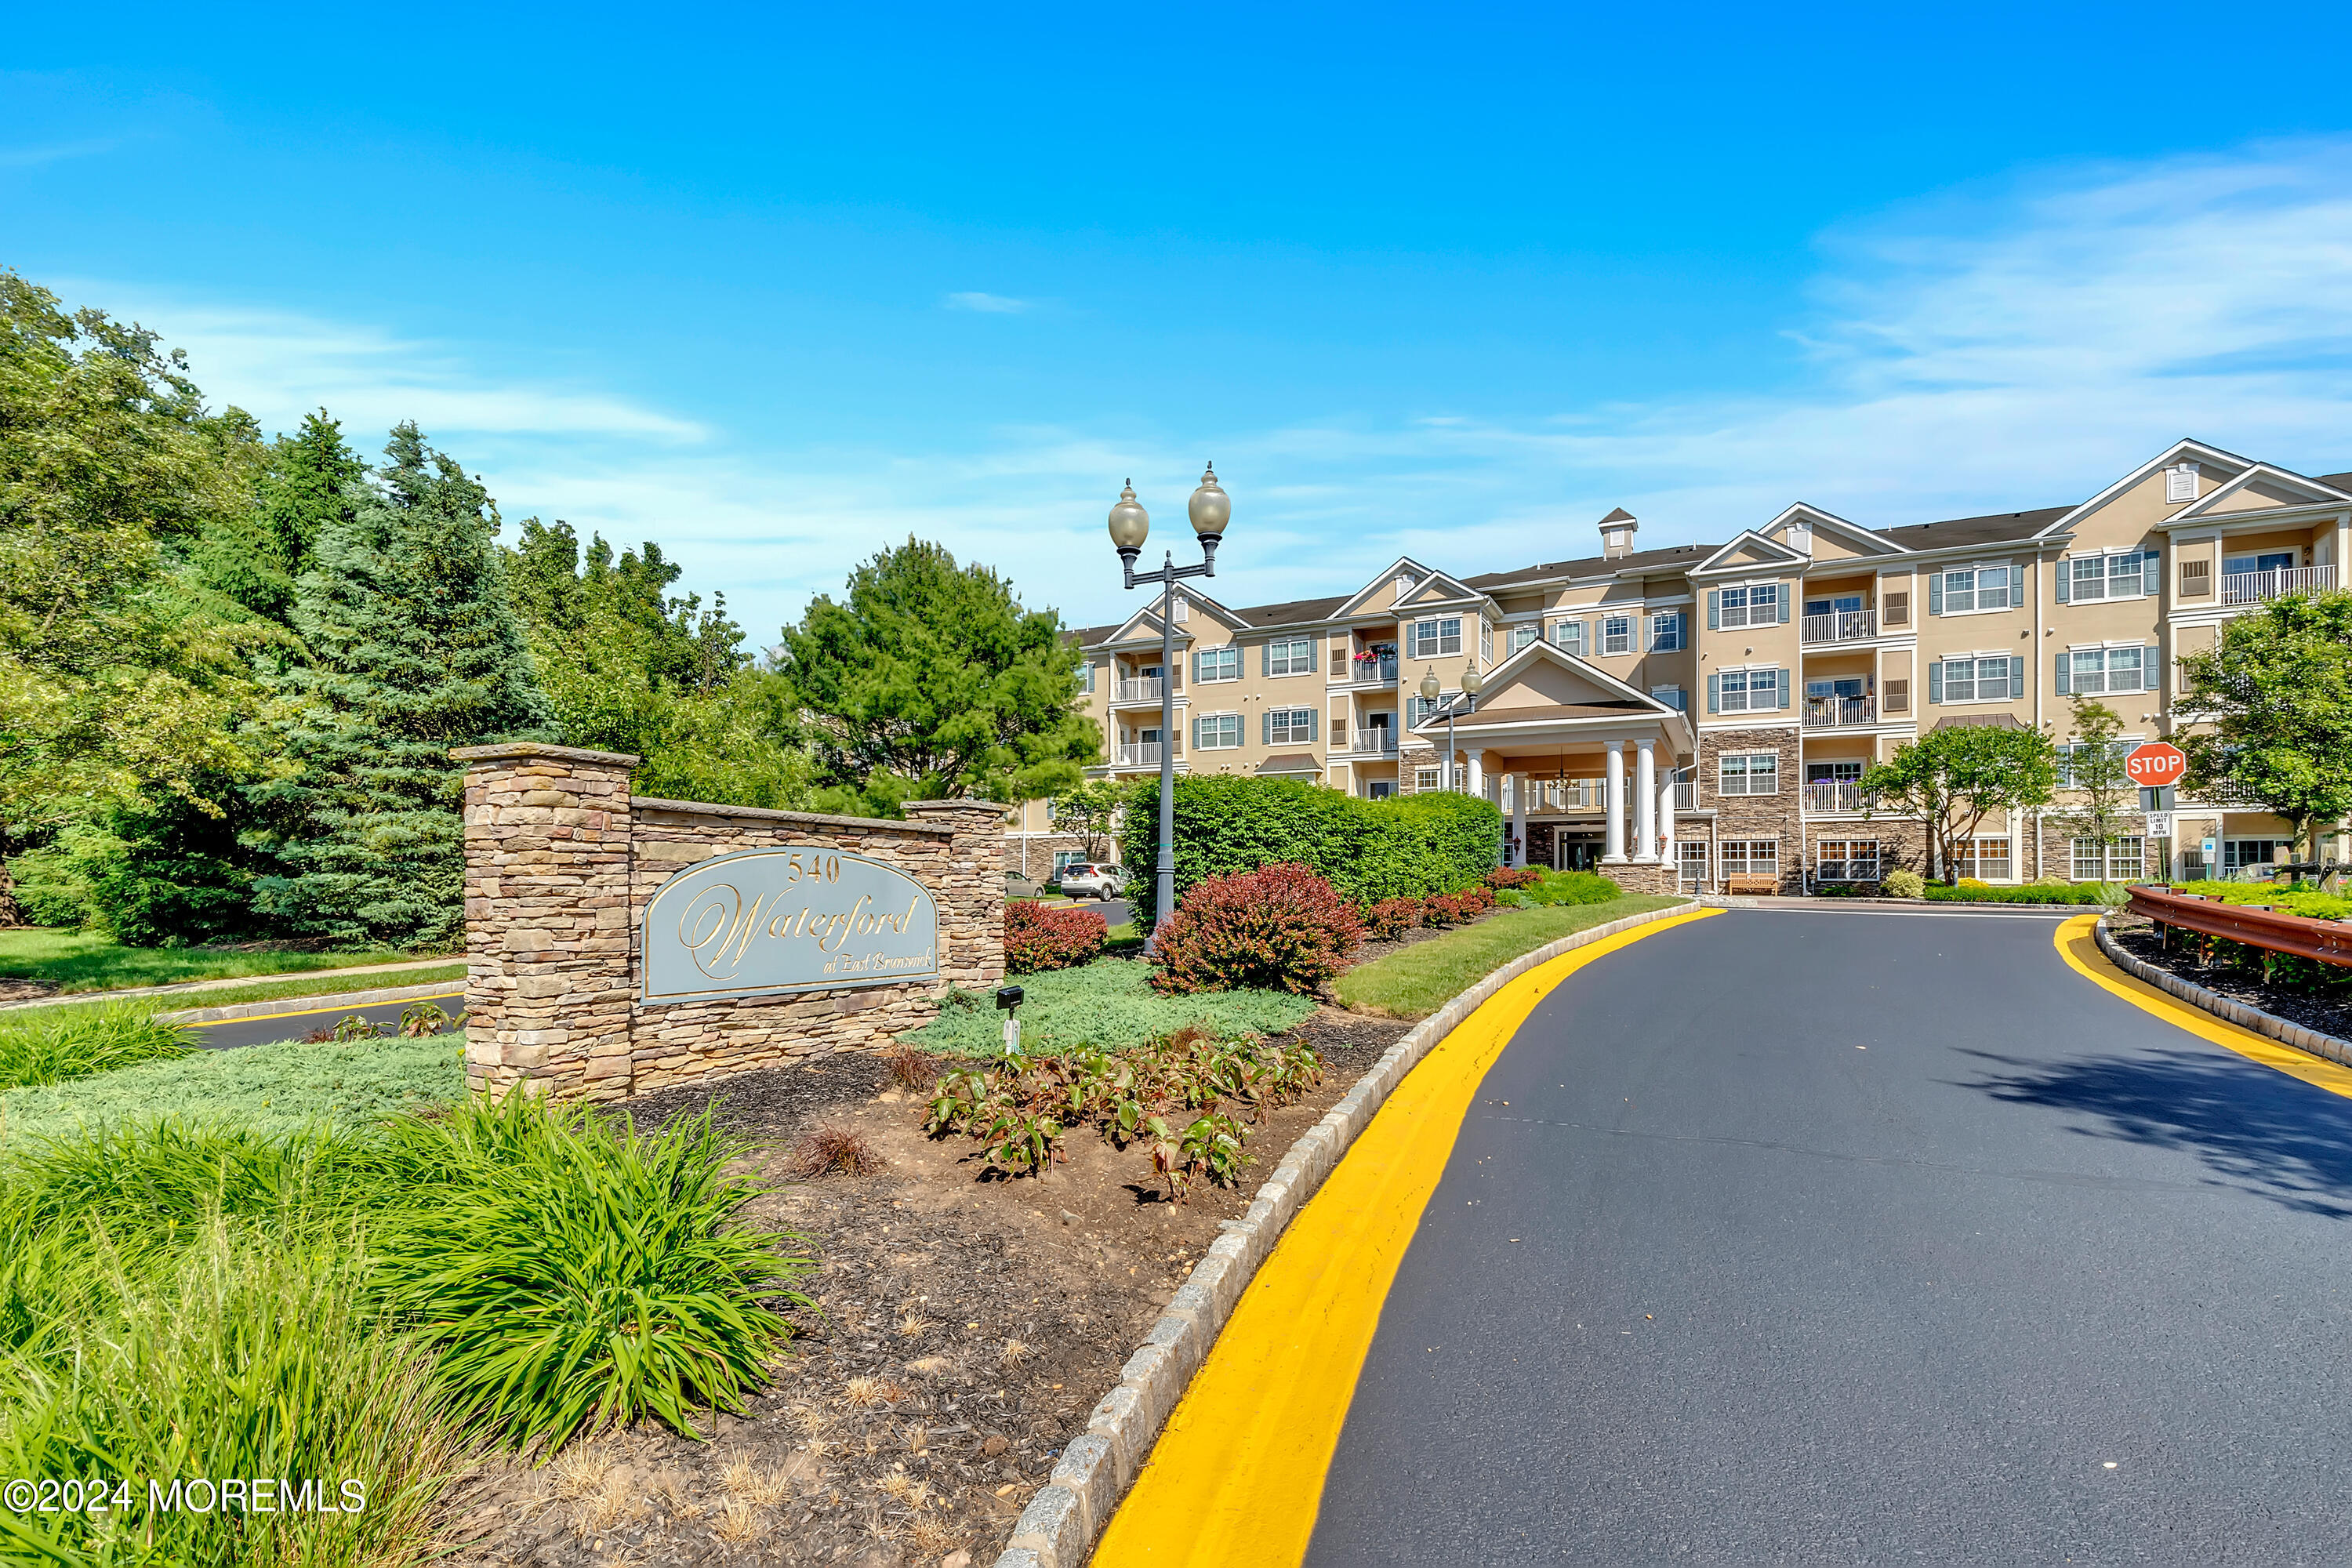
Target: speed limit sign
(2156, 764)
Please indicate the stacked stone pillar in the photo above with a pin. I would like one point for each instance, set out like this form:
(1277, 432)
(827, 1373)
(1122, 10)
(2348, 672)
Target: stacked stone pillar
(548, 970)
(970, 894)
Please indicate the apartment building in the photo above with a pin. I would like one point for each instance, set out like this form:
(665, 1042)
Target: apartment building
(1702, 714)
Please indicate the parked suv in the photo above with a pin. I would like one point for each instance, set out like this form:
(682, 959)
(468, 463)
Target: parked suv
(1081, 881)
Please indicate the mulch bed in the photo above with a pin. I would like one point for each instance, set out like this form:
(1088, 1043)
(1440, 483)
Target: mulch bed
(965, 1324)
(2330, 1014)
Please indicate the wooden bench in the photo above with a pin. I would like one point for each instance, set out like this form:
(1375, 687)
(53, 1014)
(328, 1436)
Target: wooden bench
(1751, 887)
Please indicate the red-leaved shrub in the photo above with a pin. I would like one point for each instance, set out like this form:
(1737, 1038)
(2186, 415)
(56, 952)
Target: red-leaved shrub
(1391, 917)
(1476, 900)
(1514, 876)
(1281, 929)
(1038, 938)
(1454, 908)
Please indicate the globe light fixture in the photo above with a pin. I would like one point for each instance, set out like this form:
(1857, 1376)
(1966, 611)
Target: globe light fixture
(1131, 525)
(1429, 687)
(1210, 509)
(1471, 682)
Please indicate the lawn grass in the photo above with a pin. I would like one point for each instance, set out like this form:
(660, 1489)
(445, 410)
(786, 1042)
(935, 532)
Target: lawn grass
(271, 1089)
(1416, 980)
(75, 961)
(1108, 1003)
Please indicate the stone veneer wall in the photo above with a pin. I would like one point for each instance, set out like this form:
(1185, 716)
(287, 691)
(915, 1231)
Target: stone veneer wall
(1757, 816)
(558, 862)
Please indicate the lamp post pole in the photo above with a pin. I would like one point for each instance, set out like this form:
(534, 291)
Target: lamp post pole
(1464, 701)
(1210, 510)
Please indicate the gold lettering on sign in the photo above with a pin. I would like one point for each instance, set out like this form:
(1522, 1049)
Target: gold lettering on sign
(719, 925)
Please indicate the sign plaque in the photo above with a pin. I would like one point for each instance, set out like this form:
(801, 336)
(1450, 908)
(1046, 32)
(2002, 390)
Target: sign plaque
(765, 920)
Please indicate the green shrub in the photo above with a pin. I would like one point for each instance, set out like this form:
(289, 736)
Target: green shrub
(50, 888)
(1904, 883)
(2306, 901)
(1280, 929)
(1107, 1006)
(1406, 846)
(2034, 893)
(39, 1047)
(572, 1273)
(1574, 888)
(1037, 938)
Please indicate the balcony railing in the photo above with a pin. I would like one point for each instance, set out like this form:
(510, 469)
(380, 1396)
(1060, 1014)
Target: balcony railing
(1834, 712)
(1377, 742)
(1372, 671)
(1842, 626)
(1139, 754)
(1138, 690)
(1565, 794)
(1685, 797)
(2253, 587)
(1835, 795)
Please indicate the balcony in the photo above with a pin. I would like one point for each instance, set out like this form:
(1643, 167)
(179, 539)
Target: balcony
(1565, 794)
(1840, 712)
(1841, 625)
(2255, 587)
(1372, 671)
(1377, 742)
(1127, 693)
(1835, 795)
(1139, 754)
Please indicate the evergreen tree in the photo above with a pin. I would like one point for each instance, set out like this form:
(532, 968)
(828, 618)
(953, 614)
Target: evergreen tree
(415, 649)
(256, 556)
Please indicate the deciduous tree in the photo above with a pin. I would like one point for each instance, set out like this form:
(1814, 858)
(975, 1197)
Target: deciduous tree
(2272, 705)
(2103, 804)
(1956, 775)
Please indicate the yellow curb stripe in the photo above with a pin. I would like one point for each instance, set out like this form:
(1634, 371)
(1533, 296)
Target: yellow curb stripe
(1236, 1478)
(2080, 948)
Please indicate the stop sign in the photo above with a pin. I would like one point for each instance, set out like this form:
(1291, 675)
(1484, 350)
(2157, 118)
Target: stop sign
(2156, 764)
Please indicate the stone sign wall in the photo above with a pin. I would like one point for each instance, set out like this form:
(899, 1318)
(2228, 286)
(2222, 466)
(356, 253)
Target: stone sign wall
(560, 862)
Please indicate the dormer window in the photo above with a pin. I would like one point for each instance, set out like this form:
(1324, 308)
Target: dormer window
(2180, 482)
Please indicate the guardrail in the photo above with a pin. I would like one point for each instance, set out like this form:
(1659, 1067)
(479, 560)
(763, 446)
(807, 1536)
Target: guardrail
(2328, 942)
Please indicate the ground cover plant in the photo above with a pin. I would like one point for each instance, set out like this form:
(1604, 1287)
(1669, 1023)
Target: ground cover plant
(2292, 899)
(1414, 981)
(37, 1047)
(1038, 938)
(1281, 928)
(69, 961)
(1169, 1095)
(1106, 1005)
(2031, 893)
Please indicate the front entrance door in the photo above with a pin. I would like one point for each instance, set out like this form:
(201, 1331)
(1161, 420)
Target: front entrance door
(1575, 851)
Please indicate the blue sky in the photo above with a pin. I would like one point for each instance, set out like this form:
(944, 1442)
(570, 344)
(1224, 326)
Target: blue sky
(778, 287)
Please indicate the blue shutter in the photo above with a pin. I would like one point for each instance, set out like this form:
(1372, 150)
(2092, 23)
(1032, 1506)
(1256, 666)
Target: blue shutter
(1784, 612)
(1714, 609)
(1785, 685)
(1935, 681)
(1199, 728)
(2065, 673)
(2151, 573)
(1313, 645)
(2148, 668)
(1265, 727)
(1935, 592)
(1311, 723)
(1265, 658)
(2016, 679)
(2065, 584)
(1714, 693)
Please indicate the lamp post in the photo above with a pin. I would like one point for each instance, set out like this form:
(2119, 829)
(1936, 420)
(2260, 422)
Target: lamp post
(1466, 701)
(1210, 509)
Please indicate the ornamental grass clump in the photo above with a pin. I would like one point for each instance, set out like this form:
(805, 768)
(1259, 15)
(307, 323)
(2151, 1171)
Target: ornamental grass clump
(571, 1273)
(1038, 938)
(83, 1042)
(1282, 928)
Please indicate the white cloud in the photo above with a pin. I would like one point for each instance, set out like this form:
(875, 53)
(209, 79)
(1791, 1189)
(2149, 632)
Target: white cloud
(34, 157)
(988, 304)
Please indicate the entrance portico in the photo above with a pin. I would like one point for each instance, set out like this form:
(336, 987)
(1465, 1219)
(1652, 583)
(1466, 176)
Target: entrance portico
(1556, 735)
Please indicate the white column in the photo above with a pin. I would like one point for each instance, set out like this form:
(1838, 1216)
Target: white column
(1645, 801)
(1519, 819)
(1612, 845)
(1666, 821)
(1477, 776)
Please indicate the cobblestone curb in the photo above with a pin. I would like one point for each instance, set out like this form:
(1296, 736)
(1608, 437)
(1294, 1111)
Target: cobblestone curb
(285, 1005)
(2220, 1006)
(1058, 1528)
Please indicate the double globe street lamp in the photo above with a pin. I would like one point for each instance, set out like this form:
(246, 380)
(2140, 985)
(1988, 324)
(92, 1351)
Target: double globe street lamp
(1210, 509)
(1466, 701)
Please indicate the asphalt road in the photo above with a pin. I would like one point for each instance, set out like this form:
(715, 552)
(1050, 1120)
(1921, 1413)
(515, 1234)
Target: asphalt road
(1813, 1238)
(233, 1032)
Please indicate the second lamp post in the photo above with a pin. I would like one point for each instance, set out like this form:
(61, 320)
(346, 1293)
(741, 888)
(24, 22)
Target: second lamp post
(1464, 701)
(1211, 510)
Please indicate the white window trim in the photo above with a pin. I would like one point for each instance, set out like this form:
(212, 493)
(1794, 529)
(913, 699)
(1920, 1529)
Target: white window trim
(1951, 702)
(2016, 588)
(1272, 674)
(1234, 648)
(1241, 733)
(1304, 739)
(2104, 553)
(1633, 634)
(1723, 757)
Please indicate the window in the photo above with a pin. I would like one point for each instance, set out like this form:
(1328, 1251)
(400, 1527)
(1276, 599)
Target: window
(1486, 642)
(1616, 634)
(2238, 853)
(1216, 732)
(1674, 697)
(2068, 752)
(1417, 708)
(1570, 635)
(1752, 606)
(2122, 575)
(1289, 655)
(1833, 772)
(1290, 726)
(1746, 691)
(1969, 589)
(1217, 664)
(1087, 677)
(2122, 861)
(1750, 857)
(2268, 560)
(1666, 632)
(1691, 855)
(1846, 860)
(1986, 859)
(1748, 773)
(1424, 780)
(2097, 669)
(1975, 679)
(1379, 789)
(1431, 638)
(1521, 636)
